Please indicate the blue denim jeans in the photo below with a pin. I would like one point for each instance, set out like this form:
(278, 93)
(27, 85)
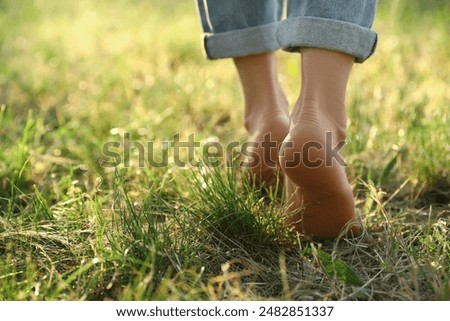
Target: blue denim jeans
(235, 28)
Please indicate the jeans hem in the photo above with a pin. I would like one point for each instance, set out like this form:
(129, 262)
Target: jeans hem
(301, 32)
(244, 42)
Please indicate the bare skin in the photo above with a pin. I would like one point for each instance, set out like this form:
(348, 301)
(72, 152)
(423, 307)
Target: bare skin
(266, 112)
(320, 199)
(317, 186)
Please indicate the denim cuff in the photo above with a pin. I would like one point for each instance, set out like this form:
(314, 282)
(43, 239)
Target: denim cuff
(243, 42)
(299, 32)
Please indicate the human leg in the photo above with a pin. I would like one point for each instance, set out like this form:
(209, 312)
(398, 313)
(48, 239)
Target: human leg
(318, 191)
(236, 28)
(266, 112)
(311, 157)
(336, 25)
(246, 32)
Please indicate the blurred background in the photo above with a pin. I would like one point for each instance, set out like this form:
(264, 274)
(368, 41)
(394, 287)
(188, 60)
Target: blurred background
(77, 74)
(91, 70)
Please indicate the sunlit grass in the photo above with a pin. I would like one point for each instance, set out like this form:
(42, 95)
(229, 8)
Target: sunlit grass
(77, 74)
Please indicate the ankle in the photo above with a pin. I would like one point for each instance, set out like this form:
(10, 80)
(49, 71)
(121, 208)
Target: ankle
(264, 121)
(264, 113)
(329, 117)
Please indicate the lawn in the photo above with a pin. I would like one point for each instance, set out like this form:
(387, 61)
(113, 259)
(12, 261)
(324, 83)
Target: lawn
(94, 204)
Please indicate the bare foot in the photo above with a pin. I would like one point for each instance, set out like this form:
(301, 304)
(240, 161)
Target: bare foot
(317, 184)
(266, 115)
(320, 198)
(267, 136)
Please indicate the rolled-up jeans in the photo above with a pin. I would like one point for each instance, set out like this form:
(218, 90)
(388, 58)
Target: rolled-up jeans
(236, 28)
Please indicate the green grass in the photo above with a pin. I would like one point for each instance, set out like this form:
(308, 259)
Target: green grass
(77, 74)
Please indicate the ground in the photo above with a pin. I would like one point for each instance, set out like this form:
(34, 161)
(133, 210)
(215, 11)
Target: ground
(88, 85)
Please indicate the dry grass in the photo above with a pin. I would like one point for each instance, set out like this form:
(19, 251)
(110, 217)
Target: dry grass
(75, 75)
